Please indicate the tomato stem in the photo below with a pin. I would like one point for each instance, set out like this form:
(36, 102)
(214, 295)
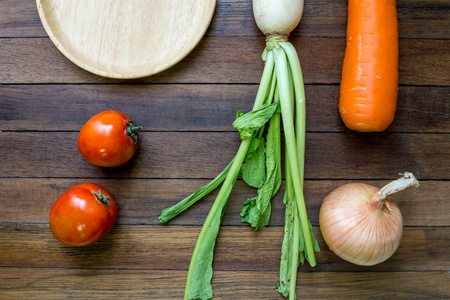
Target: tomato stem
(132, 131)
(102, 198)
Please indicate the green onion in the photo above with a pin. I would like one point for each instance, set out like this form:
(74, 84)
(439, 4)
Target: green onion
(280, 96)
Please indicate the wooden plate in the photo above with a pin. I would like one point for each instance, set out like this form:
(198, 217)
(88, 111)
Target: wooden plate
(125, 38)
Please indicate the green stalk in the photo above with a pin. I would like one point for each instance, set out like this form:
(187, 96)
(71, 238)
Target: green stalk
(266, 79)
(295, 255)
(291, 253)
(291, 147)
(277, 123)
(171, 212)
(201, 261)
(295, 234)
(300, 110)
(300, 120)
(295, 251)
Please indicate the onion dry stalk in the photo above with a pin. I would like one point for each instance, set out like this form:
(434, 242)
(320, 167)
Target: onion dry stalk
(361, 224)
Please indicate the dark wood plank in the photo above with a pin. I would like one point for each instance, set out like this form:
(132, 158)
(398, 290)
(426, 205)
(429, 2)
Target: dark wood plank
(156, 107)
(27, 283)
(197, 107)
(20, 19)
(205, 154)
(187, 112)
(417, 19)
(237, 248)
(224, 60)
(141, 200)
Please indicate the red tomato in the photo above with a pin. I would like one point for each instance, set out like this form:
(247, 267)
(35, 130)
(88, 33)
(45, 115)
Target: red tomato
(83, 215)
(108, 139)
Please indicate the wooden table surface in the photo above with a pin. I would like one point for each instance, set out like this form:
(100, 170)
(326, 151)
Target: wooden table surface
(187, 139)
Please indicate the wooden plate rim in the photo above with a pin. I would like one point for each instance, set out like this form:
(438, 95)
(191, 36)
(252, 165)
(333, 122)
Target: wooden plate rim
(93, 70)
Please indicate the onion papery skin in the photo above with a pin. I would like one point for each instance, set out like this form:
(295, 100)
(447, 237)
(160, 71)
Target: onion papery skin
(358, 226)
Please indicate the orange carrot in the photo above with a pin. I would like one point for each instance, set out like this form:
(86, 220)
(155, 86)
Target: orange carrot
(368, 94)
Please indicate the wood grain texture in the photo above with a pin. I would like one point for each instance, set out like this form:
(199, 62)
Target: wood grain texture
(197, 107)
(170, 248)
(140, 284)
(29, 200)
(329, 19)
(187, 113)
(224, 60)
(20, 19)
(417, 19)
(204, 155)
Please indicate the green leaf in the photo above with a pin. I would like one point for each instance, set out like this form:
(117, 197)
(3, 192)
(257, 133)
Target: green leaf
(254, 169)
(248, 210)
(313, 238)
(254, 120)
(198, 283)
(254, 144)
(202, 271)
(287, 246)
(273, 150)
(257, 211)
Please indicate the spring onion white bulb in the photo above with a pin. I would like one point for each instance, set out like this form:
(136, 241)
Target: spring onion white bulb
(277, 17)
(361, 224)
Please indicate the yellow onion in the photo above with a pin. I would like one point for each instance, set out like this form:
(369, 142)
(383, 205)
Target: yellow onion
(361, 224)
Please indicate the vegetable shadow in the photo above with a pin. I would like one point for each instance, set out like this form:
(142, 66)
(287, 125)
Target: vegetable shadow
(101, 254)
